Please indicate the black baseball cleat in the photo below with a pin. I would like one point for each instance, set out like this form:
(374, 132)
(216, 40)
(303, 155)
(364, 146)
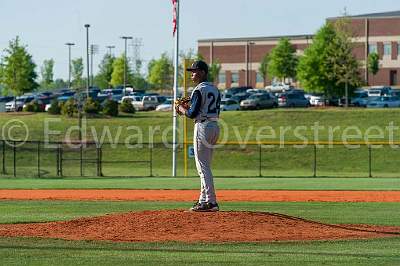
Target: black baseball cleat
(205, 207)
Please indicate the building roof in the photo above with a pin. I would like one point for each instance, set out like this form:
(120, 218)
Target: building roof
(268, 38)
(391, 14)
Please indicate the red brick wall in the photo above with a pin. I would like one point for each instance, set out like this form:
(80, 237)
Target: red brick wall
(205, 52)
(384, 27)
(358, 27)
(359, 51)
(383, 77)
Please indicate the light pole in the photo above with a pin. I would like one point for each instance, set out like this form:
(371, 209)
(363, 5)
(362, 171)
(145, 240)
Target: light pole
(125, 38)
(87, 59)
(94, 49)
(69, 44)
(110, 47)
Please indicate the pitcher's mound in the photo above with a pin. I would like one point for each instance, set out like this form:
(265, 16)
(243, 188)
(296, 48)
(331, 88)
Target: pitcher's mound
(175, 225)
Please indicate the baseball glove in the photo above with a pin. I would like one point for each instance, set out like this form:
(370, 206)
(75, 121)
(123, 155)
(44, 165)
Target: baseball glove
(185, 102)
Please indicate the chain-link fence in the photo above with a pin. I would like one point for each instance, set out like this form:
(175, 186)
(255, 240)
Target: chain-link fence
(39, 159)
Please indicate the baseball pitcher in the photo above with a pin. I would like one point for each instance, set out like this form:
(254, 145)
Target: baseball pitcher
(204, 110)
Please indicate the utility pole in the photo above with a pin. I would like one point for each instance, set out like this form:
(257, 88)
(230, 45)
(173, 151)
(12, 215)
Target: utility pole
(136, 44)
(110, 47)
(87, 59)
(125, 38)
(94, 49)
(69, 44)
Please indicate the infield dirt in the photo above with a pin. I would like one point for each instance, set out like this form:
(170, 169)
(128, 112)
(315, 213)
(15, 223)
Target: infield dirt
(178, 225)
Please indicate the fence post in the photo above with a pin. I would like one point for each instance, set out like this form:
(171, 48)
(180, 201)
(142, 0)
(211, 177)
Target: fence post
(38, 158)
(315, 160)
(151, 161)
(370, 160)
(259, 161)
(101, 160)
(61, 160)
(58, 160)
(98, 160)
(4, 157)
(81, 158)
(15, 158)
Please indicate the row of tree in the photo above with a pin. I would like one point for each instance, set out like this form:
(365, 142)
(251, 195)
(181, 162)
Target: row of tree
(327, 66)
(18, 72)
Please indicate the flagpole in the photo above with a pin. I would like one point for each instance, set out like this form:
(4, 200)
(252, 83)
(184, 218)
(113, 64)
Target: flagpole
(175, 122)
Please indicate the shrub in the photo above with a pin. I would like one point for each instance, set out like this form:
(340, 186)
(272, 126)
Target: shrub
(127, 107)
(33, 106)
(110, 108)
(91, 106)
(69, 108)
(55, 107)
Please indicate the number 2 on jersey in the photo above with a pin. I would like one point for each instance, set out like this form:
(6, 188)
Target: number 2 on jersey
(214, 105)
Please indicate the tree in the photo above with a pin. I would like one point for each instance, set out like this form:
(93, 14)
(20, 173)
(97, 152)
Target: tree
(161, 72)
(313, 69)
(283, 60)
(117, 76)
(18, 69)
(47, 74)
(373, 63)
(263, 69)
(77, 72)
(213, 71)
(103, 78)
(345, 67)
(59, 84)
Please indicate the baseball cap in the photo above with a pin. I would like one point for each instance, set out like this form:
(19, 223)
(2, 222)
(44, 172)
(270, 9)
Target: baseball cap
(198, 65)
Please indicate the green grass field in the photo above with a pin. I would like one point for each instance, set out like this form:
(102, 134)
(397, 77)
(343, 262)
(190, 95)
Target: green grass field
(247, 183)
(30, 251)
(286, 168)
(229, 160)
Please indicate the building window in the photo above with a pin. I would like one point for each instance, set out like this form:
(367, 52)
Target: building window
(398, 49)
(259, 78)
(373, 48)
(221, 78)
(387, 49)
(235, 77)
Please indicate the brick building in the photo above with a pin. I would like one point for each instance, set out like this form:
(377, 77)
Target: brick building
(240, 57)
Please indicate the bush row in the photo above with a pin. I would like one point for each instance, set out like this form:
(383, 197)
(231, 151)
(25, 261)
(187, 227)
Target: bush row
(108, 107)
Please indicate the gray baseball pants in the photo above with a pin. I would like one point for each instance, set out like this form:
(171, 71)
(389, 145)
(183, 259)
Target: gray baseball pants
(205, 137)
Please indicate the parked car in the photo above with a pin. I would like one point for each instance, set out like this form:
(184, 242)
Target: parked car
(259, 101)
(111, 94)
(236, 90)
(19, 103)
(166, 106)
(6, 99)
(360, 100)
(377, 91)
(279, 87)
(317, 100)
(229, 105)
(131, 98)
(293, 100)
(239, 97)
(66, 96)
(147, 103)
(383, 102)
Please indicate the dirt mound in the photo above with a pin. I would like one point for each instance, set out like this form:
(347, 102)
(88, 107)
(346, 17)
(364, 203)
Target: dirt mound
(176, 225)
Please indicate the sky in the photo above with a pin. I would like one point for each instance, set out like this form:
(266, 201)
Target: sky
(44, 26)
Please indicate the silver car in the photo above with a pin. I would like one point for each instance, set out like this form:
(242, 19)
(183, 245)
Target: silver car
(383, 102)
(259, 101)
